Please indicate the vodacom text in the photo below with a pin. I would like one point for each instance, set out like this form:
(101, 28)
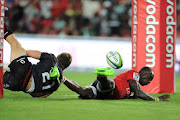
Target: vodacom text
(150, 32)
(170, 31)
(134, 36)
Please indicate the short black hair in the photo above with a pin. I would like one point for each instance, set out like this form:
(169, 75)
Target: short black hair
(147, 70)
(65, 59)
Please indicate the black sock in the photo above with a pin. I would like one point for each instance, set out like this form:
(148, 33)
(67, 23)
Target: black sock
(7, 31)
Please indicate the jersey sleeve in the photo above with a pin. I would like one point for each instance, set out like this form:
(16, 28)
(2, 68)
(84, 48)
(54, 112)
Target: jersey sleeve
(45, 55)
(133, 75)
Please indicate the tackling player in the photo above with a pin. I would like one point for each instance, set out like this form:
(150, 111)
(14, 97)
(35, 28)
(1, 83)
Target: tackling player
(121, 87)
(32, 78)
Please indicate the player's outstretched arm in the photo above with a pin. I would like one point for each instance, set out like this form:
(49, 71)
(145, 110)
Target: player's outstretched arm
(33, 53)
(84, 92)
(164, 97)
(135, 87)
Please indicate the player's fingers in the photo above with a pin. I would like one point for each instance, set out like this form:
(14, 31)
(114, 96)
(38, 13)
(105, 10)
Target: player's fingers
(168, 96)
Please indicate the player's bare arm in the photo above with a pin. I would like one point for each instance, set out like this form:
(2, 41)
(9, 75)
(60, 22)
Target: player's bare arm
(85, 92)
(135, 87)
(33, 53)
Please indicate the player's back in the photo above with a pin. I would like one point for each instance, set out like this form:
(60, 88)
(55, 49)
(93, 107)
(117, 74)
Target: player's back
(41, 73)
(122, 89)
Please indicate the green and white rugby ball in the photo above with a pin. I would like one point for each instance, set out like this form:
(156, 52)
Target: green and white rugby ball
(114, 59)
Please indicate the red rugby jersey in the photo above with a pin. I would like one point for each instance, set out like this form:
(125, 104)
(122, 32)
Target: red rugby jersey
(122, 89)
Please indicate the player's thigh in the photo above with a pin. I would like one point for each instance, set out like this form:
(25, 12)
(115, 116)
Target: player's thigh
(102, 94)
(15, 53)
(16, 48)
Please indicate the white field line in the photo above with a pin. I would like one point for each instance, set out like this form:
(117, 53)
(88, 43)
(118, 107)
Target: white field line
(64, 95)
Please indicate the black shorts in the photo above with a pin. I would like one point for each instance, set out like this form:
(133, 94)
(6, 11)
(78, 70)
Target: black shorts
(19, 75)
(98, 93)
(102, 94)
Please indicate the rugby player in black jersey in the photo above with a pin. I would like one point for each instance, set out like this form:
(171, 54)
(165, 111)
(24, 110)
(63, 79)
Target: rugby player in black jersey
(32, 78)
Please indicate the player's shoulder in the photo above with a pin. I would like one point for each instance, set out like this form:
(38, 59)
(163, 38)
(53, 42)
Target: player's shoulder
(47, 55)
(133, 75)
(130, 72)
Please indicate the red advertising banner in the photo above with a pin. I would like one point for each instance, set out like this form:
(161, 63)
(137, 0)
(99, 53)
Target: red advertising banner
(1, 44)
(153, 42)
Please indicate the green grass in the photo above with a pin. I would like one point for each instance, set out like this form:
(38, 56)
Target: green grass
(65, 105)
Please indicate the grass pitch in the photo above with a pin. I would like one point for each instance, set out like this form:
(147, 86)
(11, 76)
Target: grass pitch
(65, 105)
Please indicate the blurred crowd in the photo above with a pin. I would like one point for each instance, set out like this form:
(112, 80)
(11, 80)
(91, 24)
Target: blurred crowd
(73, 17)
(70, 17)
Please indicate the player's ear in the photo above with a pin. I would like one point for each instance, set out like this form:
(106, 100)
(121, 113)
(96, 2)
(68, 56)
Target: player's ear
(143, 72)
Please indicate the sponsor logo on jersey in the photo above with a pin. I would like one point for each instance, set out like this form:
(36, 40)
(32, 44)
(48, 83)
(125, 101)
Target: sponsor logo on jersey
(136, 76)
(5, 85)
(21, 60)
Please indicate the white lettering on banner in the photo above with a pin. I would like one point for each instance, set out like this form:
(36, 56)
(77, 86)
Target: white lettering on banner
(170, 2)
(1, 53)
(1, 32)
(2, 2)
(151, 31)
(170, 31)
(151, 2)
(151, 60)
(135, 22)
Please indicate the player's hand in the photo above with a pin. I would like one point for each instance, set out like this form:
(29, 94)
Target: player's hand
(164, 97)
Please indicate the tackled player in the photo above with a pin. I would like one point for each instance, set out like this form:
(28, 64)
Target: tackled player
(32, 78)
(121, 87)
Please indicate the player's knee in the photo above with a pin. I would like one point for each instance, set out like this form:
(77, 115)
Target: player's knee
(108, 86)
(86, 93)
(111, 84)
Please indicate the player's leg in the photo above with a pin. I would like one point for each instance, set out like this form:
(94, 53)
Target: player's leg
(105, 84)
(103, 87)
(16, 49)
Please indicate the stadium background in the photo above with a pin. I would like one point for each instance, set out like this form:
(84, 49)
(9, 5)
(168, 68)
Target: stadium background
(73, 17)
(95, 20)
(84, 20)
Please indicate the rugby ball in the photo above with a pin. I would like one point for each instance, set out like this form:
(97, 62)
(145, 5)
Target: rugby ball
(114, 59)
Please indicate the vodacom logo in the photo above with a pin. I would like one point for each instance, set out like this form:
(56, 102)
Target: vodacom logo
(170, 31)
(134, 36)
(151, 22)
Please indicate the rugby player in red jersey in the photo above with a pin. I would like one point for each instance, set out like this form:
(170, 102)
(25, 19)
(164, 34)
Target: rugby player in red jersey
(121, 87)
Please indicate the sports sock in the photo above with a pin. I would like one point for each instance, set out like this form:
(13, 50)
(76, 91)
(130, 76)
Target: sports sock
(7, 31)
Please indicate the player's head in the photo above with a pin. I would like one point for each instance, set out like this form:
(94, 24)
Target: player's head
(65, 59)
(146, 75)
